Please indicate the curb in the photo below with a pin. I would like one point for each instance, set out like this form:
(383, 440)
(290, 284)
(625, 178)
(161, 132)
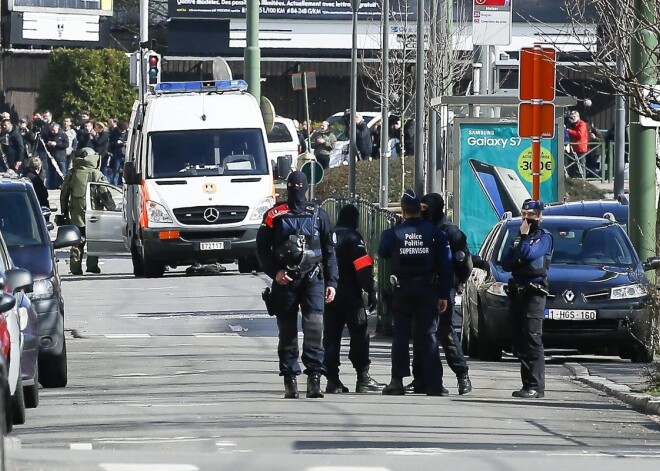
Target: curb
(644, 403)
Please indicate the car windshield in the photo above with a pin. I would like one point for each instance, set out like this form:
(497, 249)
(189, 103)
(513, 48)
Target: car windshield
(208, 152)
(600, 244)
(18, 219)
(280, 134)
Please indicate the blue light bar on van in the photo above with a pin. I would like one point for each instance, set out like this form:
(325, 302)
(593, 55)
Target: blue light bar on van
(201, 86)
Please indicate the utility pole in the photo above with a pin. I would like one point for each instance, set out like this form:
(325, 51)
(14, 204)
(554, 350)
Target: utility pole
(643, 140)
(252, 54)
(352, 146)
(144, 39)
(434, 44)
(620, 137)
(419, 105)
(384, 121)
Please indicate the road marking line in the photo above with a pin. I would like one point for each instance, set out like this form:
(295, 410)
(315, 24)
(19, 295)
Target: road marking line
(80, 446)
(127, 336)
(225, 444)
(205, 335)
(147, 467)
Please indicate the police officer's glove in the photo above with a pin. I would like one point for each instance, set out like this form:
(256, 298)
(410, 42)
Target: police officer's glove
(372, 301)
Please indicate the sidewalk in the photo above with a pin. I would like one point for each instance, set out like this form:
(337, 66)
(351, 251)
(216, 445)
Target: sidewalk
(623, 381)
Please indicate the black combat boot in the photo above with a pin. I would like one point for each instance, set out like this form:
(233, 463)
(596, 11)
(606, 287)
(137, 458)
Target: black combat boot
(366, 383)
(395, 388)
(314, 385)
(464, 384)
(290, 387)
(335, 386)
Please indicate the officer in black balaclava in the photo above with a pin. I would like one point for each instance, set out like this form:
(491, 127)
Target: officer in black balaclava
(296, 248)
(356, 275)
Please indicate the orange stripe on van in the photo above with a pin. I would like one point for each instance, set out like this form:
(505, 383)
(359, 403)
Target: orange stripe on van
(144, 196)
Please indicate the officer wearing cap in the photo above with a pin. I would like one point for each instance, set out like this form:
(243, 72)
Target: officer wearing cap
(356, 274)
(296, 248)
(528, 260)
(422, 279)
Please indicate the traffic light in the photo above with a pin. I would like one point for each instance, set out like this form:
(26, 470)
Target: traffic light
(153, 67)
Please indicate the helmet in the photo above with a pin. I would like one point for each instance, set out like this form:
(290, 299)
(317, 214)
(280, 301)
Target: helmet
(290, 252)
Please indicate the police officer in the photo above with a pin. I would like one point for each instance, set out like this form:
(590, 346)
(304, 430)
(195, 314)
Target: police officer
(433, 210)
(528, 260)
(421, 270)
(296, 248)
(355, 275)
(86, 169)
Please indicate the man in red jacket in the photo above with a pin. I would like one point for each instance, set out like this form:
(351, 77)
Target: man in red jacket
(578, 133)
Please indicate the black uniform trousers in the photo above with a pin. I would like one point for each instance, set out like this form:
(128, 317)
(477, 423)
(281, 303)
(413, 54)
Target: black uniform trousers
(451, 345)
(309, 294)
(526, 310)
(336, 316)
(415, 303)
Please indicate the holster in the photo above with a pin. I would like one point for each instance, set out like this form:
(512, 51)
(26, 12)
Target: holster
(268, 300)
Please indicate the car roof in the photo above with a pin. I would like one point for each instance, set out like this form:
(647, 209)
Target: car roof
(577, 222)
(593, 208)
(11, 182)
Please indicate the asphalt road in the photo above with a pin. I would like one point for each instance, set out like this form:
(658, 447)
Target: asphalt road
(180, 374)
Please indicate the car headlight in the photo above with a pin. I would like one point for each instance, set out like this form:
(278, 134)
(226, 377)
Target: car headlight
(497, 289)
(41, 289)
(261, 208)
(156, 212)
(628, 292)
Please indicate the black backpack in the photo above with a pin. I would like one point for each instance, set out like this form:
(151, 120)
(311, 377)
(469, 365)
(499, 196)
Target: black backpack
(457, 242)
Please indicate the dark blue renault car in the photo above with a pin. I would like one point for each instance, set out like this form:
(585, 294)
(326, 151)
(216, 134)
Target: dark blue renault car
(599, 295)
(26, 234)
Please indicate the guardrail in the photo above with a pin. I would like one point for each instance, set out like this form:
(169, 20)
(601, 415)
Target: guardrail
(373, 221)
(575, 166)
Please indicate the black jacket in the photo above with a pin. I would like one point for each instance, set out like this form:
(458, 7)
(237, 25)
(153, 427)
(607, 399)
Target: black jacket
(58, 151)
(39, 187)
(14, 150)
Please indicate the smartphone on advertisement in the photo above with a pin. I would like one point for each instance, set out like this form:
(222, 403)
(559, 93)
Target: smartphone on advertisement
(502, 186)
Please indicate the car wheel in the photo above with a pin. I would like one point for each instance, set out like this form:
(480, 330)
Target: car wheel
(53, 369)
(31, 393)
(248, 265)
(18, 404)
(151, 269)
(138, 267)
(488, 349)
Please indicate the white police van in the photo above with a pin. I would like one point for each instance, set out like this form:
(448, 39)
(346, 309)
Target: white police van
(197, 176)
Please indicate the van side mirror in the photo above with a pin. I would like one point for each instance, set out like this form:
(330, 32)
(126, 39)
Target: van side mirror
(67, 236)
(19, 279)
(7, 302)
(131, 175)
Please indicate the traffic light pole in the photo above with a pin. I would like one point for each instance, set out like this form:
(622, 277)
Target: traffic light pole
(252, 55)
(642, 223)
(144, 39)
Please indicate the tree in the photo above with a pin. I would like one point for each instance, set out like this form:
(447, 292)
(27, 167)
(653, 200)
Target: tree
(87, 79)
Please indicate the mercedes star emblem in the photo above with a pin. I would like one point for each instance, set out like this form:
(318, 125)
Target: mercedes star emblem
(569, 296)
(211, 214)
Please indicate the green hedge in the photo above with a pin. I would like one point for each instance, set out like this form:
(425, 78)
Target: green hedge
(87, 79)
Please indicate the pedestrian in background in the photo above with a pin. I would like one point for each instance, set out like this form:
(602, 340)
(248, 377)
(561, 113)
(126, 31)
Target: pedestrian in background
(356, 275)
(422, 279)
(528, 260)
(323, 141)
(296, 248)
(33, 172)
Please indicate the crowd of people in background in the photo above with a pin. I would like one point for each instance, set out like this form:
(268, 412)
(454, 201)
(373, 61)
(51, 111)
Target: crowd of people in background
(45, 148)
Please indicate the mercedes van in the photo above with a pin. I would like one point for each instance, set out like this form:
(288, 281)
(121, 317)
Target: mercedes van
(198, 177)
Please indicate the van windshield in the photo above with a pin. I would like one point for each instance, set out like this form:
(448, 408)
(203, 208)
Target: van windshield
(18, 220)
(207, 152)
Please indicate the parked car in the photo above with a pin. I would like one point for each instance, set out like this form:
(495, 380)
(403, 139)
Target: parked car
(591, 208)
(339, 154)
(7, 302)
(283, 142)
(26, 234)
(28, 323)
(599, 295)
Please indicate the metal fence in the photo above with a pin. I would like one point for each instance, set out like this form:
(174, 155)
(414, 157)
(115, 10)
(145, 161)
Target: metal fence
(373, 221)
(575, 165)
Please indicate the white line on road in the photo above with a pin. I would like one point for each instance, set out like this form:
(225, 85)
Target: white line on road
(80, 446)
(147, 467)
(206, 335)
(127, 336)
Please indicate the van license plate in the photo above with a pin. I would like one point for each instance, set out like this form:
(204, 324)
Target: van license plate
(211, 245)
(570, 315)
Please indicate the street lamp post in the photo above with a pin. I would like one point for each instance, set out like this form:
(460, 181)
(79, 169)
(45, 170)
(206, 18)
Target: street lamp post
(419, 105)
(384, 122)
(252, 54)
